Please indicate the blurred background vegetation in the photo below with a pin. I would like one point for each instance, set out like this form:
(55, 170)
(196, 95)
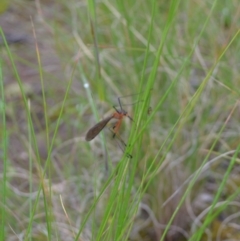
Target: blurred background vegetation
(73, 59)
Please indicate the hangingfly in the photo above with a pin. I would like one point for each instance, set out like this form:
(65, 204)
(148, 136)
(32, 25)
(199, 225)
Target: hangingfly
(96, 129)
(118, 114)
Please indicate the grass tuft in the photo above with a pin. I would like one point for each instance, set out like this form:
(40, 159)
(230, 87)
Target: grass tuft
(176, 63)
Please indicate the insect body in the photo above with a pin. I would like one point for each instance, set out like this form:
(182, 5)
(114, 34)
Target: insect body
(96, 129)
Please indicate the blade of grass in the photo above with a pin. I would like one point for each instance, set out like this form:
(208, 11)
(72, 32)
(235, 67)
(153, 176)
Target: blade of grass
(48, 210)
(52, 144)
(4, 137)
(122, 196)
(205, 160)
(95, 112)
(28, 115)
(151, 80)
(40, 70)
(141, 115)
(30, 168)
(96, 200)
(209, 217)
(219, 208)
(92, 104)
(93, 26)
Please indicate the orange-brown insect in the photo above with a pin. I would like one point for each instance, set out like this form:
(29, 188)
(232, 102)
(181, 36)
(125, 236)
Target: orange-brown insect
(96, 129)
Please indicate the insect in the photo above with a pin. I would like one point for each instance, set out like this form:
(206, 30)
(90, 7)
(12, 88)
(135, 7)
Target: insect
(119, 115)
(149, 111)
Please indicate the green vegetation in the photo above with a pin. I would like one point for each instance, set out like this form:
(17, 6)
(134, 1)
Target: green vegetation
(179, 62)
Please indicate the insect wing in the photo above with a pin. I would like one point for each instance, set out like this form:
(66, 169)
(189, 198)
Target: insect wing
(95, 130)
